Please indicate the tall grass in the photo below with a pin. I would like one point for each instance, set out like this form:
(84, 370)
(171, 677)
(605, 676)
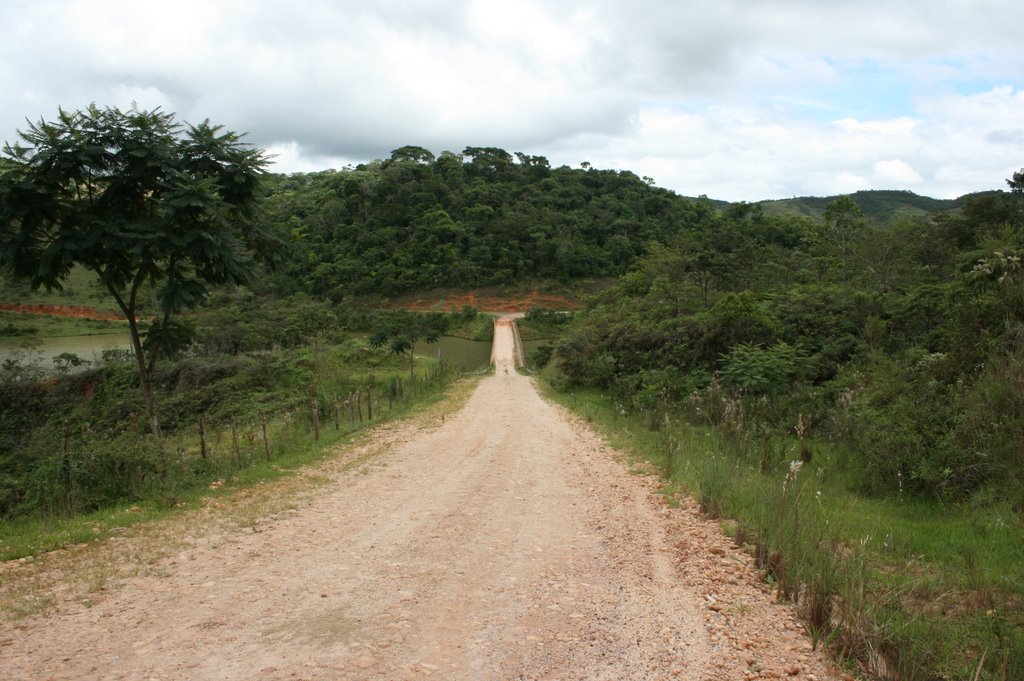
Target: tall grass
(99, 458)
(899, 588)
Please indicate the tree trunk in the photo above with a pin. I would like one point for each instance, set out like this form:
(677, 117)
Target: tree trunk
(145, 377)
(145, 369)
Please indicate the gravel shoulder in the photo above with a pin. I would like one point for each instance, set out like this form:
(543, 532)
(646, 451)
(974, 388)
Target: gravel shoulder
(506, 541)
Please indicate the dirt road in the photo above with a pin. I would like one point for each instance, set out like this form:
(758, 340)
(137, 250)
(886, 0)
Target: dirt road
(507, 542)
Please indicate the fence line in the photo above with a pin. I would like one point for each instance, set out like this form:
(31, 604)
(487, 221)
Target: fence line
(85, 472)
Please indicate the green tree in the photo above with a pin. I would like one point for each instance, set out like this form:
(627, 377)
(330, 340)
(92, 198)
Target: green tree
(402, 330)
(842, 223)
(412, 153)
(138, 199)
(1016, 184)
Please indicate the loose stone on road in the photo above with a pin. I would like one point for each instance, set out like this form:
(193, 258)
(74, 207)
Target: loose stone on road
(508, 542)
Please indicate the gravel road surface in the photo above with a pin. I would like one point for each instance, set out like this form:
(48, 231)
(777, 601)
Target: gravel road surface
(506, 541)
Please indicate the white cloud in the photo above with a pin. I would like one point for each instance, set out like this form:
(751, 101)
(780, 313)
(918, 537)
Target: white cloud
(895, 173)
(748, 153)
(290, 156)
(126, 96)
(740, 100)
(847, 183)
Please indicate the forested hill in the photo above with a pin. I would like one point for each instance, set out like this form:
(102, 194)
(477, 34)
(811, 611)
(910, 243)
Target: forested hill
(877, 205)
(483, 217)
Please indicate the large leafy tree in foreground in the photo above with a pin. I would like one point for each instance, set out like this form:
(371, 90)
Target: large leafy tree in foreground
(137, 198)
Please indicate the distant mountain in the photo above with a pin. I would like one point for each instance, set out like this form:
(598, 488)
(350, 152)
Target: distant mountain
(717, 203)
(877, 205)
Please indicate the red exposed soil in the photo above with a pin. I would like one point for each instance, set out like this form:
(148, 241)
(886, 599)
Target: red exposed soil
(72, 311)
(491, 303)
(453, 302)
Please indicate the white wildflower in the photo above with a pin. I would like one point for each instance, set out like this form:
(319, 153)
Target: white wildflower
(794, 468)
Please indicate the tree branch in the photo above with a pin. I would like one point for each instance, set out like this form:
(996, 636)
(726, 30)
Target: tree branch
(114, 292)
(156, 347)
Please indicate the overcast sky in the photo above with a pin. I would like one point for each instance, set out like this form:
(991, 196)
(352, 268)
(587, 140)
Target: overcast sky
(735, 99)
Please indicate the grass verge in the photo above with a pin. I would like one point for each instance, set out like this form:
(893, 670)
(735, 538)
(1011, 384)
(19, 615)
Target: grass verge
(82, 287)
(50, 561)
(899, 589)
(24, 324)
(478, 327)
(234, 458)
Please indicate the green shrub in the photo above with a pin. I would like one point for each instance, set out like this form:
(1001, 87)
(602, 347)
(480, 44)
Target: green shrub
(768, 370)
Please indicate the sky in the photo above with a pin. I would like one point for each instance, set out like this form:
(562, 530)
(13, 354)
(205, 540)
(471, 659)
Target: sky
(733, 99)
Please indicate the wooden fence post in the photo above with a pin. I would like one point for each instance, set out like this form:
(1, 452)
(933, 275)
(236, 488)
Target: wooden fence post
(316, 420)
(202, 436)
(66, 468)
(234, 442)
(266, 442)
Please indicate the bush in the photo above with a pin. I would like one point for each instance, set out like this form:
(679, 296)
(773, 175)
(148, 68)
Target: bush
(902, 429)
(990, 426)
(763, 371)
(540, 357)
(543, 315)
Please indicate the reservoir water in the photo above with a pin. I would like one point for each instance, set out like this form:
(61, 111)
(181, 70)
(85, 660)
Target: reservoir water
(468, 355)
(42, 349)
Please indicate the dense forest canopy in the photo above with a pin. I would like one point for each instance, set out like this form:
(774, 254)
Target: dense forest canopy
(904, 340)
(482, 217)
(485, 216)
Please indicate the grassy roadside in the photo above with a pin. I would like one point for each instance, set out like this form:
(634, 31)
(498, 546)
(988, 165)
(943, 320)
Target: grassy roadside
(77, 472)
(82, 287)
(899, 589)
(543, 324)
(75, 558)
(532, 330)
(30, 325)
(477, 326)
